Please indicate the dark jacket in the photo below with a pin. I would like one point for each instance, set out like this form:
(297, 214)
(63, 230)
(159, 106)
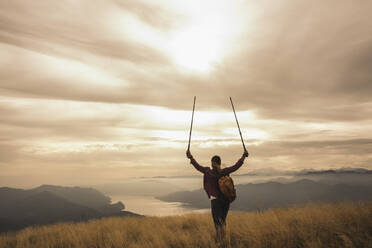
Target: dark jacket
(210, 180)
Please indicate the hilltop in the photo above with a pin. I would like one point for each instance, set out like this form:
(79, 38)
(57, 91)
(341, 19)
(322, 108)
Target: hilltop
(316, 225)
(49, 204)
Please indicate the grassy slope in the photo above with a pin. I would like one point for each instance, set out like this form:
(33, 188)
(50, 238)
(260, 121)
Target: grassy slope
(316, 225)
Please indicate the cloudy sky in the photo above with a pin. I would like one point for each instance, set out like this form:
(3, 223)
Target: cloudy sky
(97, 91)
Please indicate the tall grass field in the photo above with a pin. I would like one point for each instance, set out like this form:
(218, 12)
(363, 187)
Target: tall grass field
(315, 225)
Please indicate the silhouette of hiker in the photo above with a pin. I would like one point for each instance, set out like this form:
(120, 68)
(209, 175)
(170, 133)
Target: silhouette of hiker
(219, 205)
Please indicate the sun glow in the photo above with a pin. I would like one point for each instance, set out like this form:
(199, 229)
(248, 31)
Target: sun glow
(195, 49)
(204, 41)
(205, 34)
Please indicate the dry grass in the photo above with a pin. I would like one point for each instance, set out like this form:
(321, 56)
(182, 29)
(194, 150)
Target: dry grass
(316, 225)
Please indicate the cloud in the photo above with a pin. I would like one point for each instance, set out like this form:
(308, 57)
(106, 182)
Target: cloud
(81, 28)
(9, 152)
(292, 66)
(152, 14)
(302, 63)
(89, 85)
(319, 147)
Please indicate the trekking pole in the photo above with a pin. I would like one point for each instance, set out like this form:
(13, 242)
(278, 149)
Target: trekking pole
(238, 124)
(192, 119)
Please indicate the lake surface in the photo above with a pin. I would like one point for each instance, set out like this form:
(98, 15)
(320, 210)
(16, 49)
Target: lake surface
(149, 205)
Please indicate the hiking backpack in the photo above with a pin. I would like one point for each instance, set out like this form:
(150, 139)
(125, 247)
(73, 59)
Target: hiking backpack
(226, 186)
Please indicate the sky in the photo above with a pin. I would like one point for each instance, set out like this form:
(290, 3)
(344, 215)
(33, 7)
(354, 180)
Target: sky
(99, 91)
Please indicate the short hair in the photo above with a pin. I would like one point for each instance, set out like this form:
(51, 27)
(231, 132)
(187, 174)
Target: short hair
(216, 159)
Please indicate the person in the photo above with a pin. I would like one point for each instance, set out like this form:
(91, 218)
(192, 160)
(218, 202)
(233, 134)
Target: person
(219, 205)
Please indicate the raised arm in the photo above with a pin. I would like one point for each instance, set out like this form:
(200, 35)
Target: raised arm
(237, 165)
(197, 166)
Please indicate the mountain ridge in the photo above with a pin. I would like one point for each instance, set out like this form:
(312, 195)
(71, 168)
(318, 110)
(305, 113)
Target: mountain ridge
(20, 208)
(253, 196)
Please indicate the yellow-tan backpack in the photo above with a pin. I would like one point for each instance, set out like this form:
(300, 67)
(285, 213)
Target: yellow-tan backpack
(226, 186)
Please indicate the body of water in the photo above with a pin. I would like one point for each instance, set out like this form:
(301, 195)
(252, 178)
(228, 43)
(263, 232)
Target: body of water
(149, 205)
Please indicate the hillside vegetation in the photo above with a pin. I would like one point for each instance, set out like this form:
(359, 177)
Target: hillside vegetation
(316, 225)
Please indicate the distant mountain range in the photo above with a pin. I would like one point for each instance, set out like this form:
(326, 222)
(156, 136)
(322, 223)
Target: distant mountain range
(161, 185)
(274, 194)
(336, 171)
(50, 204)
(275, 172)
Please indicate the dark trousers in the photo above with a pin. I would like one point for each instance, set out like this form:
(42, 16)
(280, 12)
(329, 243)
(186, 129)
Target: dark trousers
(220, 207)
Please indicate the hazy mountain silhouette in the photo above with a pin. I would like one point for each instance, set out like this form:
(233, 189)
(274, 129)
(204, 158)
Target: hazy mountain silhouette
(350, 176)
(274, 194)
(88, 197)
(276, 172)
(50, 204)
